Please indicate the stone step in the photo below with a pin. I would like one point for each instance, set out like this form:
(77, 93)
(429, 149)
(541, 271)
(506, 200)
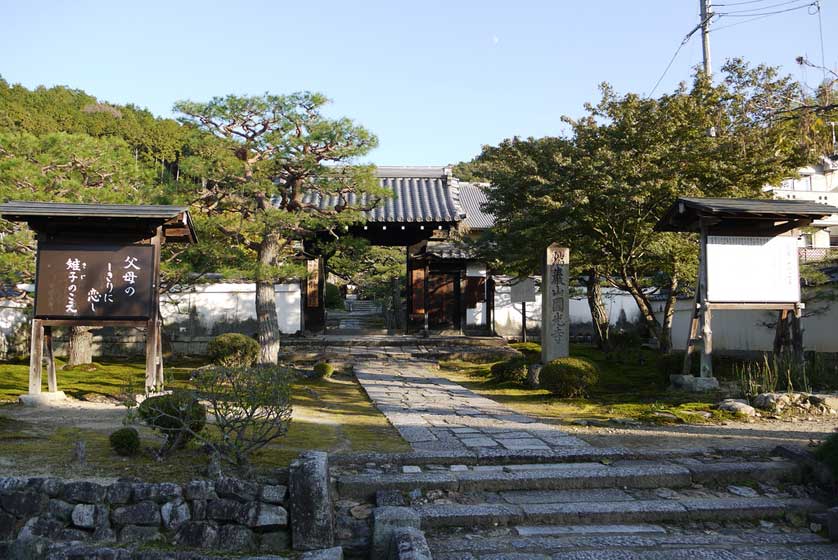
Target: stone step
(566, 476)
(682, 510)
(629, 542)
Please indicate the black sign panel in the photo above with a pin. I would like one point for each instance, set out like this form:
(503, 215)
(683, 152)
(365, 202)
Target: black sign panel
(94, 281)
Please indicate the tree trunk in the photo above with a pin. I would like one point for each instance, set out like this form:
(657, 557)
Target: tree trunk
(599, 315)
(267, 325)
(644, 306)
(668, 316)
(780, 334)
(81, 346)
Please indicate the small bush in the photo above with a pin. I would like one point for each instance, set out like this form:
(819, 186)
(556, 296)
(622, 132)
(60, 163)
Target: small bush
(333, 297)
(323, 370)
(233, 350)
(125, 441)
(530, 350)
(827, 452)
(513, 369)
(251, 407)
(569, 377)
(178, 416)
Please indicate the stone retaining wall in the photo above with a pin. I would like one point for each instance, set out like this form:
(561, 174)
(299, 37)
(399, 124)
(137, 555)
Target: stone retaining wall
(224, 515)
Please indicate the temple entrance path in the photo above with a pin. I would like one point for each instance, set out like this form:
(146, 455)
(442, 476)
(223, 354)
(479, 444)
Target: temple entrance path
(435, 414)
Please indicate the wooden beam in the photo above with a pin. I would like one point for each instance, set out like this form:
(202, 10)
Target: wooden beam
(52, 381)
(36, 348)
(755, 306)
(153, 325)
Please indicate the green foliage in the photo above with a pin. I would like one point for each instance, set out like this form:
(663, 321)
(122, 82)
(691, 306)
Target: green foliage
(333, 297)
(369, 267)
(178, 416)
(233, 350)
(827, 452)
(569, 377)
(323, 370)
(602, 189)
(125, 441)
(513, 369)
(530, 350)
(773, 373)
(251, 407)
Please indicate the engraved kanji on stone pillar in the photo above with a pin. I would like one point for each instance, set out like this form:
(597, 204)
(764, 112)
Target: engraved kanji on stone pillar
(555, 304)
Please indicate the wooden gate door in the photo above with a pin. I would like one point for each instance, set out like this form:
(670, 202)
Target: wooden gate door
(443, 308)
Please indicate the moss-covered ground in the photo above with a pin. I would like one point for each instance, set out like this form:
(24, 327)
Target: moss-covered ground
(329, 414)
(631, 386)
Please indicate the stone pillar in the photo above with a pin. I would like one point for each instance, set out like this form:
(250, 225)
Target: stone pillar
(312, 516)
(555, 304)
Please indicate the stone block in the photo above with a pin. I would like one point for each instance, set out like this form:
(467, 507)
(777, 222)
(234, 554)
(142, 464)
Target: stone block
(236, 489)
(174, 513)
(143, 513)
(832, 524)
(23, 503)
(236, 538)
(693, 384)
(200, 490)
(275, 541)
(273, 494)
(8, 526)
(386, 521)
(312, 516)
(265, 516)
(389, 498)
(46, 399)
(197, 534)
(138, 533)
(52, 487)
(224, 509)
(199, 510)
(84, 516)
(409, 544)
(83, 492)
(119, 493)
(334, 553)
(160, 493)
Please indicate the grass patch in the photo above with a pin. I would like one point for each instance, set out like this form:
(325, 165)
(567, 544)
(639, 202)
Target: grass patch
(329, 414)
(630, 386)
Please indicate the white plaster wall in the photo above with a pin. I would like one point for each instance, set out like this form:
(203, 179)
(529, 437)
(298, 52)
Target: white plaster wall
(230, 303)
(508, 315)
(746, 330)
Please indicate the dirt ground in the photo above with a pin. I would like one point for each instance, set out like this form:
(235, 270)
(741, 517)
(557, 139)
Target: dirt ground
(760, 435)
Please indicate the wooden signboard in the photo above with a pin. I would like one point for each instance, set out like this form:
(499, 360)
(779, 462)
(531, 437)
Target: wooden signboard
(94, 281)
(97, 265)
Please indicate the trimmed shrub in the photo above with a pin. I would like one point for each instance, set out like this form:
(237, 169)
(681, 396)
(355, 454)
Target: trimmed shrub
(333, 297)
(569, 377)
(178, 416)
(530, 350)
(233, 350)
(125, 441)
(251, 408)
(323, 370)
(512, 369)
(827, 453)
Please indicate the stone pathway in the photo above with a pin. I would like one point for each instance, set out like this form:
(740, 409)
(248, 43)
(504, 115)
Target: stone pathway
(435, 414)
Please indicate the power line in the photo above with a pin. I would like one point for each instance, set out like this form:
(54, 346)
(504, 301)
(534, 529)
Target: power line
(743, 3)
(736, 14)
(758, 8)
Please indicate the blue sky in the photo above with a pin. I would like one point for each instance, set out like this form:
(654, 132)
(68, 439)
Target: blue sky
(434, 80)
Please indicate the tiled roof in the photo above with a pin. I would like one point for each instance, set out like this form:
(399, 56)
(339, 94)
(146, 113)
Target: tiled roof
(420, 194)
(472, 198)
(685, 212)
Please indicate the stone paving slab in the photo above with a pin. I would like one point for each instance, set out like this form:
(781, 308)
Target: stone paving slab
(433, 413)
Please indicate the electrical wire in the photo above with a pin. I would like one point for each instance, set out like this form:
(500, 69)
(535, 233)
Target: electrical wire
(736, 14)
(823, 51)
(758, 8)
(741, 3)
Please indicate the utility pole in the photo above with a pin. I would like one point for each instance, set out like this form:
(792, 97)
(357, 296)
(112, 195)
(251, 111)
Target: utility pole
(706, 16)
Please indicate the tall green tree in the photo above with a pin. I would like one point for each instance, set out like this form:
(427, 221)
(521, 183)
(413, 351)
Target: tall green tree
(607, 184)
(270, 161)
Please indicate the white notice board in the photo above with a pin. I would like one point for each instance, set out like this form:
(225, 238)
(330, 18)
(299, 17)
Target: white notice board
(752, 269)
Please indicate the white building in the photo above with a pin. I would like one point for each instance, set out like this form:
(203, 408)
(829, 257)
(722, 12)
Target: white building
(817, 183)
